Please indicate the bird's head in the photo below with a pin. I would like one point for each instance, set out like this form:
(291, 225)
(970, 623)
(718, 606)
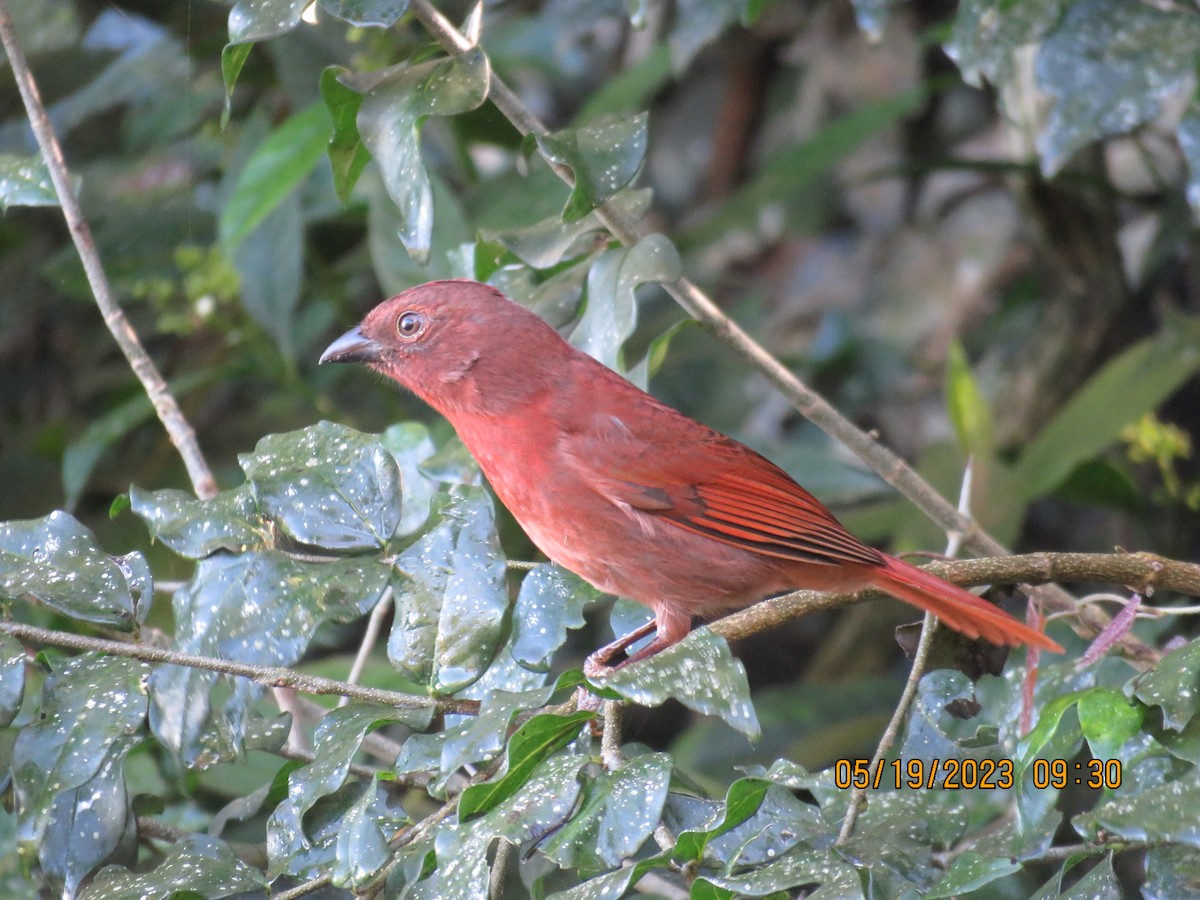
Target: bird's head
(460, 345)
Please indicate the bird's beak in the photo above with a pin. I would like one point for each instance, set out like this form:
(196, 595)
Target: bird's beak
(353, 346)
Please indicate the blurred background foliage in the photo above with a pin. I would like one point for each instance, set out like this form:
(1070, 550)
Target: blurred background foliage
(971, 226)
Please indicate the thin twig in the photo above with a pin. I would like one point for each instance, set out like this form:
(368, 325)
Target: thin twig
(888, 465)
(178, 428)
(370, 638)
(271, 676)
(303, 890)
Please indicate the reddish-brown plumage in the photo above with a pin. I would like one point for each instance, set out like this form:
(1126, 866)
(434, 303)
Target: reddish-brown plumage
(621, 489)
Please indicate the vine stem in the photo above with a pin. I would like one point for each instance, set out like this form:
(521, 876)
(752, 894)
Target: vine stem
(814, 407)
(179, 430)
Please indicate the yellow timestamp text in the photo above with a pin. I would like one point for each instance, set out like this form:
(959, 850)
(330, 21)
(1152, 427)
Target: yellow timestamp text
(927, 774)
(1092, 773)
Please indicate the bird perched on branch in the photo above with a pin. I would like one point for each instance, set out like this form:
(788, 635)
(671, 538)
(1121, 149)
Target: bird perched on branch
(633, 496)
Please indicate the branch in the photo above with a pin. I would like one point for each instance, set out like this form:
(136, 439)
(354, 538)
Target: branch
(271, 676)
(172, 418)
(1142, 572)
(888, 465)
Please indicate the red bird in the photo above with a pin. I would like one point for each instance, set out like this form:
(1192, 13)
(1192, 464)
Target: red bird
(633, 496)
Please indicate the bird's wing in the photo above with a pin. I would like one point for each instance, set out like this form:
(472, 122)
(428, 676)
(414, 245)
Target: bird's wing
(709, 484)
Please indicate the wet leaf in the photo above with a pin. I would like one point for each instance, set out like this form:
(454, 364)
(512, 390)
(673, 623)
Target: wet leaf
(327, 485)
(311, 850)
(700, 673)
(611, 312)
(550, 602)
(451, 605)
(365, 13)
(986, 37)
(619, 811)
(1173, 685)
(25, 181)
(92, 710)
(1109, 65)
(410, 445)
(347, 155)
(1108, 720)
(970, 871)
(57, 561)
(261, 607)
(481, 737)
(1172, 872)
(604, 156)
(613, 885)
(533, 742)
(196, 864)
(258, 20)
(12, 678)
(389, 121)
(804, 866)
(198, 528)
(1047, 725)
(1164, 813)
(362, 848)
(280, 162)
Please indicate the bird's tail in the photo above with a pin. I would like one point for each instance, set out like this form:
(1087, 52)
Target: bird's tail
(955, 607)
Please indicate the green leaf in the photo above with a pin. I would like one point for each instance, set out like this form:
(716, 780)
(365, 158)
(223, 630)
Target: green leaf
(198, 528)
(1108, 720)
(986, 38)
(1173, 684)
(233, 59)
(410, 445)
(1163, 813)
(362, 846)
(1132, 383)
(259, 607)
(12, 678)
(970, 871)
(968, 409)
(550, 602)
(619, 811)
(347, 155)
(389, 121)
(611, 312)
(1171, 870)
(804, 866)
(57, 561)
(366, 13)
(92, 711)
(450, 607)
(700, 673)
(1109, 64)
(258, 20)
(25, 181)
(613, 885)
(196, 864)
(270, 267)
(274, 170)
(535, 741)
(604, 156)
(1048, 720)
(327, 485)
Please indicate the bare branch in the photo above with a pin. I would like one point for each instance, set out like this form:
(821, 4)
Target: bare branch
(178, 428)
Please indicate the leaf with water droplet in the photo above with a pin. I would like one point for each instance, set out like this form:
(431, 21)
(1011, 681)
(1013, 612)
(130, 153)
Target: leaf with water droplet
(258, 20)
(92, 712)
(1173, 685)
(362, 846)
(1108, 65)
(410, 445)
(260, 607)
(604, 156)
(25, 181)
(196, 864)
(1108, 719)
(451, 603)
(12, 678)
(57, 561)
(1163, 813)
(366, 13)
(550, 602)
(198, 528)
(969, 871)
(533, 742)
(327, 485)
(700, 673)
(619, 811)
(803, 866)
(389, 121)
(611, 313)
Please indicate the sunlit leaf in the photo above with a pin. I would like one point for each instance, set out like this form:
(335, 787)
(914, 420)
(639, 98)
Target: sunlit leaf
(25, 181)
(274, 170)
(389, 121)
(451, 603)
(604, 156)
(327, 485)
(196, 864)
(57, 561)
(1108, 720)
(699, 672)
(1109, 65)
(611, 312)
(619, 811)
(198, 528)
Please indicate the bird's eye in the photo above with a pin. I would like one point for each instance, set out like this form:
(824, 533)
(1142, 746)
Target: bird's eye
(410, 324)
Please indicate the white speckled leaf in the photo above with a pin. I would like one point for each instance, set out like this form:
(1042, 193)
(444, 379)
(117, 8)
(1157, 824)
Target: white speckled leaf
(196, 863)
(12, 678)
(257, 20)
(550, 602)
(1164, 813)
(57, 561)
(410, 445)
(327, 485)
(1173, 685)
(198, 528)
(604, 157)
(700, 673)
